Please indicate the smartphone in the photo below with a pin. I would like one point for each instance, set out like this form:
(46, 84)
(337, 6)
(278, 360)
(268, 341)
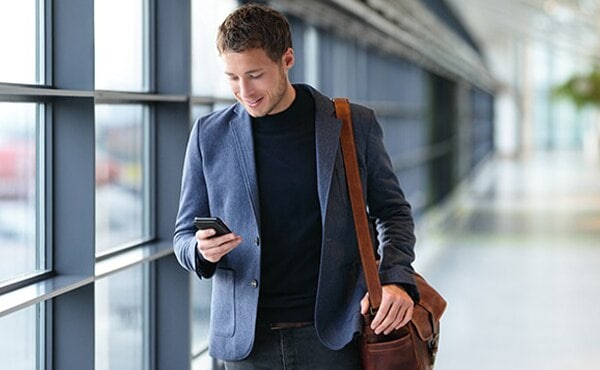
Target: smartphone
(212, 223)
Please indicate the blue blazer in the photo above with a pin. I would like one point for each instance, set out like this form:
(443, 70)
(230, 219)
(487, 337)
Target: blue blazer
(219, 179)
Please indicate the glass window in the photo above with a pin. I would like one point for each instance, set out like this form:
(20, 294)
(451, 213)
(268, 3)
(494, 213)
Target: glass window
(199, 111)
(21, 24)
(207, 72)
(121, 45)
(201, 292)
(122, 177)
(21, 250)
(122, 320)
(23, 348)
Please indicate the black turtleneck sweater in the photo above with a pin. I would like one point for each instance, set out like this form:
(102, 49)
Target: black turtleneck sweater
(290, 219)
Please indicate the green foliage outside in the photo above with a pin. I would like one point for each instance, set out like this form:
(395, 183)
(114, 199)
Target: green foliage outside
(581, 89)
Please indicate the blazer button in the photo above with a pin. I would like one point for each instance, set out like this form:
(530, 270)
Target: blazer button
(254, 284)
(257, 241)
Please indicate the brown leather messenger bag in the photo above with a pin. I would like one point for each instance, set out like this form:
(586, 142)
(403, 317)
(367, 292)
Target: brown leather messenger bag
(414, 346)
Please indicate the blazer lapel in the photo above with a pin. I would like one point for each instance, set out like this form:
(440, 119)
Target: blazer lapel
(327, 134)
(241, 127)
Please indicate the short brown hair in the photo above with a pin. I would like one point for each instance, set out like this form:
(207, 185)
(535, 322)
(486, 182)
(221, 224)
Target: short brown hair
(255, 26)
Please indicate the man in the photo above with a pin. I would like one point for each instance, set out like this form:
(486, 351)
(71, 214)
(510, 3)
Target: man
(287, 283)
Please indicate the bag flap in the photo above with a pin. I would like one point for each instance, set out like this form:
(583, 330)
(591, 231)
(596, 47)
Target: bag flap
(431, 300)
(428, 311)
(421, 321)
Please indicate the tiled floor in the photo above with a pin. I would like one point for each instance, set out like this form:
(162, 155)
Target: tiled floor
(517, 255)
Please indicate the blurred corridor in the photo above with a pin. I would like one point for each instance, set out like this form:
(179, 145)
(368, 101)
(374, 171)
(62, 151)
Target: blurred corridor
(516, 254)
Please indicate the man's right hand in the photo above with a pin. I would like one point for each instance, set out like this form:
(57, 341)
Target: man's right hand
(213, 248)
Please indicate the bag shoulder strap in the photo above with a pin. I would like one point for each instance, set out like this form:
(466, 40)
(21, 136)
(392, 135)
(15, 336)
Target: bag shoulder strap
(359, 209)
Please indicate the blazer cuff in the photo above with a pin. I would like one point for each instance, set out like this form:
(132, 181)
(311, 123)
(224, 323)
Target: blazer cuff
(412, 291)
(204, 269)
(405, 281)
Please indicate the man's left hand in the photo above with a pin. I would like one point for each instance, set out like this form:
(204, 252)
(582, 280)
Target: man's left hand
(395, 311)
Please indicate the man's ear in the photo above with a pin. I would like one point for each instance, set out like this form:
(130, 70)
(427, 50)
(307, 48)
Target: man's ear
(288, 59)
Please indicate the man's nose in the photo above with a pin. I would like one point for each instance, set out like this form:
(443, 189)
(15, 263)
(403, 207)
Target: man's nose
(246, 88)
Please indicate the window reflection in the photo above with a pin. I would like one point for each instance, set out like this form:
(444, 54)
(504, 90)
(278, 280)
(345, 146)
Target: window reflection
(22, 50)
(121, 170)
(121, 320)
(20, 349)
(120, 42)
(18, 185)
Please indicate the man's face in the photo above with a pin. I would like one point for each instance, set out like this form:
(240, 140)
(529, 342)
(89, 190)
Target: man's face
(258, 83)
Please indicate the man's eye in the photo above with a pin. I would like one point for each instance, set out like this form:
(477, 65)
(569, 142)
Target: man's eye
(255, 76)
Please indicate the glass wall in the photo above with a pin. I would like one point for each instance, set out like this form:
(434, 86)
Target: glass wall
(122, 320)
(21, 181)
(207, 72)
(201, 293)
(21, 41)
(23, 158)
(122, 130)
(122, 176)
(121, 45)
(21, 339)
(85, 251)
(557, 123)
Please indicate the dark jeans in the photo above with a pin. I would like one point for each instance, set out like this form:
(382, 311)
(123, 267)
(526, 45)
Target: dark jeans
(295, 349)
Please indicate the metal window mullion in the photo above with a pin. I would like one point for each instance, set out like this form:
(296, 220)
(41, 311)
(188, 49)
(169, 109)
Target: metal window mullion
(149, 171)
(48, 39)
(40, 43)
(40, 197)
(149, 35)
(149, 314)
(48, 188)
(40, 336)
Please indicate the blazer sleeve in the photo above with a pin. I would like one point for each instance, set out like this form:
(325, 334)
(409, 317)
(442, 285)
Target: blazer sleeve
(193, 201)
(391, 211)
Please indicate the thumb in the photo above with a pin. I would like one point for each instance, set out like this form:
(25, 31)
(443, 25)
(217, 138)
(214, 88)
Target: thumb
(364, 304)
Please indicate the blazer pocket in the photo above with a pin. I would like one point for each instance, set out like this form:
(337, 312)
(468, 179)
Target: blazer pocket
(222, 313)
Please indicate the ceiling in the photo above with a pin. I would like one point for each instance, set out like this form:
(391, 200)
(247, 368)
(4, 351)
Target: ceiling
(573, 25)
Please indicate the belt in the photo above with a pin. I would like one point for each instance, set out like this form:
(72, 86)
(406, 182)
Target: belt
(289, 325)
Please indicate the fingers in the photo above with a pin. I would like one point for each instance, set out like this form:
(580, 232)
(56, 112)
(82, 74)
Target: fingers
(395, 311)
(386, 318)
(364, 304)
(406, 318)
(213, 248)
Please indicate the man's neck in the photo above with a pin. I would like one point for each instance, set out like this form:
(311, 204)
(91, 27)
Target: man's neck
(289, 96)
